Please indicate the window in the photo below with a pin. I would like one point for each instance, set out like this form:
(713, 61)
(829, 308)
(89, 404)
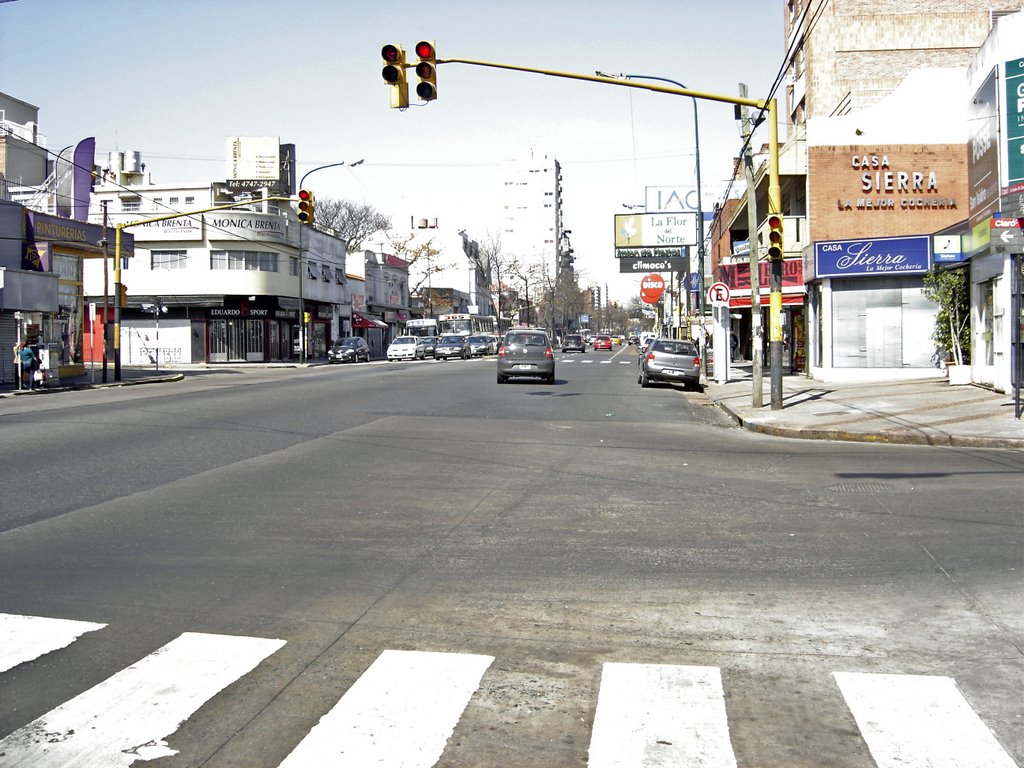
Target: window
(325, 272)
(168, 259)
(189, 199)
(293, 266)
(252, 261)
(339, 276)
(172, 201)
(131, 206)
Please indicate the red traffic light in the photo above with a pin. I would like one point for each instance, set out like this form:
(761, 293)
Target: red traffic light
(305, 194)
(425, 49)
(775, 248)
(390, 53)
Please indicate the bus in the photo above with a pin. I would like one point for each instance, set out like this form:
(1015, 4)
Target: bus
(425, 326)
(467, 325)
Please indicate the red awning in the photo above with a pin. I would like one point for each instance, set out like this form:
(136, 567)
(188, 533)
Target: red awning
(360, 320)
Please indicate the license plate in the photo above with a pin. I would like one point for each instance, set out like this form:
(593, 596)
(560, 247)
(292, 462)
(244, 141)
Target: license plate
(524, 367)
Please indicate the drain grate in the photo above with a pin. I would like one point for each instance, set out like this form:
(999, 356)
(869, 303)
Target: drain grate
(859, 488)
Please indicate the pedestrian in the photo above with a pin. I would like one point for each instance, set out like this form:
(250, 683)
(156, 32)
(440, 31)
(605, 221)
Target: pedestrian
(27, 358)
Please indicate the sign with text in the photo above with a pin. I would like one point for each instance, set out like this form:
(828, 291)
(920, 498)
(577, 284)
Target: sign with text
(737, 276)
(651, 288)
(881, 256)
(655, 230)
(640, 264)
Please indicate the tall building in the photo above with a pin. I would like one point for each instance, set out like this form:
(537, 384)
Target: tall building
(532, 222)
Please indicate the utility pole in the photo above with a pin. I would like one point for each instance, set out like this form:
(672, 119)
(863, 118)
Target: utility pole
(757, 392)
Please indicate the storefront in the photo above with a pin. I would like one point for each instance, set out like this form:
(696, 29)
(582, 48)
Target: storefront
(43, 298)
(867, 314)
(737, 278)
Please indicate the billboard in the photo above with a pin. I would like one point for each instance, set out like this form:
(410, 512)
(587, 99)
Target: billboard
(253, 159)
(655, 230)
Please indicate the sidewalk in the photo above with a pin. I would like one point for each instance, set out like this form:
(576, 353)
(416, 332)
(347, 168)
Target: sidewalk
(923, 412)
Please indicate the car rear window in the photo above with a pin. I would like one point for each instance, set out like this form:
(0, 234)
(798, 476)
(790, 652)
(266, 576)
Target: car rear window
(675, 347)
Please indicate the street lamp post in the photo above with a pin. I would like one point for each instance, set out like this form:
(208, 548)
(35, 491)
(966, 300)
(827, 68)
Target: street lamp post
(302, 299)
(701, 253)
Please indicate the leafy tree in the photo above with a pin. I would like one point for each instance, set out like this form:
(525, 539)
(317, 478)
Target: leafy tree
(950, 289)
(353, 222)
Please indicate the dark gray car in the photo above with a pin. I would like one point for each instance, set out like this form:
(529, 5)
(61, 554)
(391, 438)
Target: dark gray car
(526, 352)
(351, 349)
(451, 346)
(670, 360)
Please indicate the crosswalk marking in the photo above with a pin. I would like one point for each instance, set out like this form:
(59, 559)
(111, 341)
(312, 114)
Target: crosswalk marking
(403, 710)
(126, 717)
(918, 721)
(400, 712)
(24, 638)
(660, 715)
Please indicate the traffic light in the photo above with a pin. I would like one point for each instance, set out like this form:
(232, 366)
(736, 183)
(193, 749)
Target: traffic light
(307, 204)
(426, 70)
(122, 295)
(775, 247)
(394, 75)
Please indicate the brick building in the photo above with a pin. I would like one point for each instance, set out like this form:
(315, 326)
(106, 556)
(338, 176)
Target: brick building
(875, 151)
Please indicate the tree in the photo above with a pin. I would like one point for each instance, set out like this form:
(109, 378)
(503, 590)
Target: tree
(950, 289)
(423, 264)
(353, 222)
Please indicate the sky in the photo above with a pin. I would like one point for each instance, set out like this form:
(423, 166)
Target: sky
(172, 79)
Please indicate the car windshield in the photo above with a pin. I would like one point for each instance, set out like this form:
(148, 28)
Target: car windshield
(349, 343)
(478, 339)
(451, 340)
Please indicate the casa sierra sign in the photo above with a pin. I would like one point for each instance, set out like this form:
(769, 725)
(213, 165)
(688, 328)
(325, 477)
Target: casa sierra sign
(880, 256)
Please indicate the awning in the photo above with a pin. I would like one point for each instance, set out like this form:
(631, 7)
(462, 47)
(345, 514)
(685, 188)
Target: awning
(787, 299)
(360, 320)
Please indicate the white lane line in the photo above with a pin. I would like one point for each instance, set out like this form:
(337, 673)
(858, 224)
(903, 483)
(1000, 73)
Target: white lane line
(400, 712)
(24, 638)
(919, 721)
(606, 362)
(127, 716)
(586, 362)
(660, 715)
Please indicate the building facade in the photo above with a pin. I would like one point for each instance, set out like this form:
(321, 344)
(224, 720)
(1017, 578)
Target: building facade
(237, 284)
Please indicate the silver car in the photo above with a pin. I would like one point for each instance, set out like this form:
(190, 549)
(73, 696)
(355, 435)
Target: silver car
(673, 361)
(526, 352)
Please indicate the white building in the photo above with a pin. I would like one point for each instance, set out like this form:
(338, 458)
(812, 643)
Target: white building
(223, 285)
(532, 216)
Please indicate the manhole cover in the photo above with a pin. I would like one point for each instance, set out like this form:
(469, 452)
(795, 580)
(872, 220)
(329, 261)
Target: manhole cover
(859, 488)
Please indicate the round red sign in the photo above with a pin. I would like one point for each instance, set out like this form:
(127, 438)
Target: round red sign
(651, 288)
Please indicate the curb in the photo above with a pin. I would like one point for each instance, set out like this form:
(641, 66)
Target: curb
(906, 437)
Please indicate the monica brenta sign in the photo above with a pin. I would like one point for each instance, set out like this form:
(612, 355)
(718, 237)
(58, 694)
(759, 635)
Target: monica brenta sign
(885, 256)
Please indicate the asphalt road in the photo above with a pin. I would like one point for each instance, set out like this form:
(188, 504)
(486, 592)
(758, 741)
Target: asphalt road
(543, 539)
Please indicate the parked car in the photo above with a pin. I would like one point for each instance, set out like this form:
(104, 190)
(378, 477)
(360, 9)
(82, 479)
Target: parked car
(574, 342)
(602, 342)
(429, 343)
(451, 346)
(670, 360)
(351, 349)
(526, 353)
(480, 345)
(406, 348)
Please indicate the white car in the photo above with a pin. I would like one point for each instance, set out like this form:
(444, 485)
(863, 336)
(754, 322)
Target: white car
(406, 348)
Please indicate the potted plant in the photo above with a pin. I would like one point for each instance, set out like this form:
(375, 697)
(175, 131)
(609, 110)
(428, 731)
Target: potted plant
(950, 289)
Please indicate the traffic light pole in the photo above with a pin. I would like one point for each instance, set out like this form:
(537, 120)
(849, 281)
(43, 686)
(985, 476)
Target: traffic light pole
(118, 287)
(774, 189)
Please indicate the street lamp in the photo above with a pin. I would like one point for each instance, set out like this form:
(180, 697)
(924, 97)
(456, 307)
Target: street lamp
(701, 254)
(302, 300)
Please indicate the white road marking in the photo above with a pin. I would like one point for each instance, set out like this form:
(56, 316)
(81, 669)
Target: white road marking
(400, 712)
(919, 721)
(660, 715)
(127, 716)
(24, 638)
